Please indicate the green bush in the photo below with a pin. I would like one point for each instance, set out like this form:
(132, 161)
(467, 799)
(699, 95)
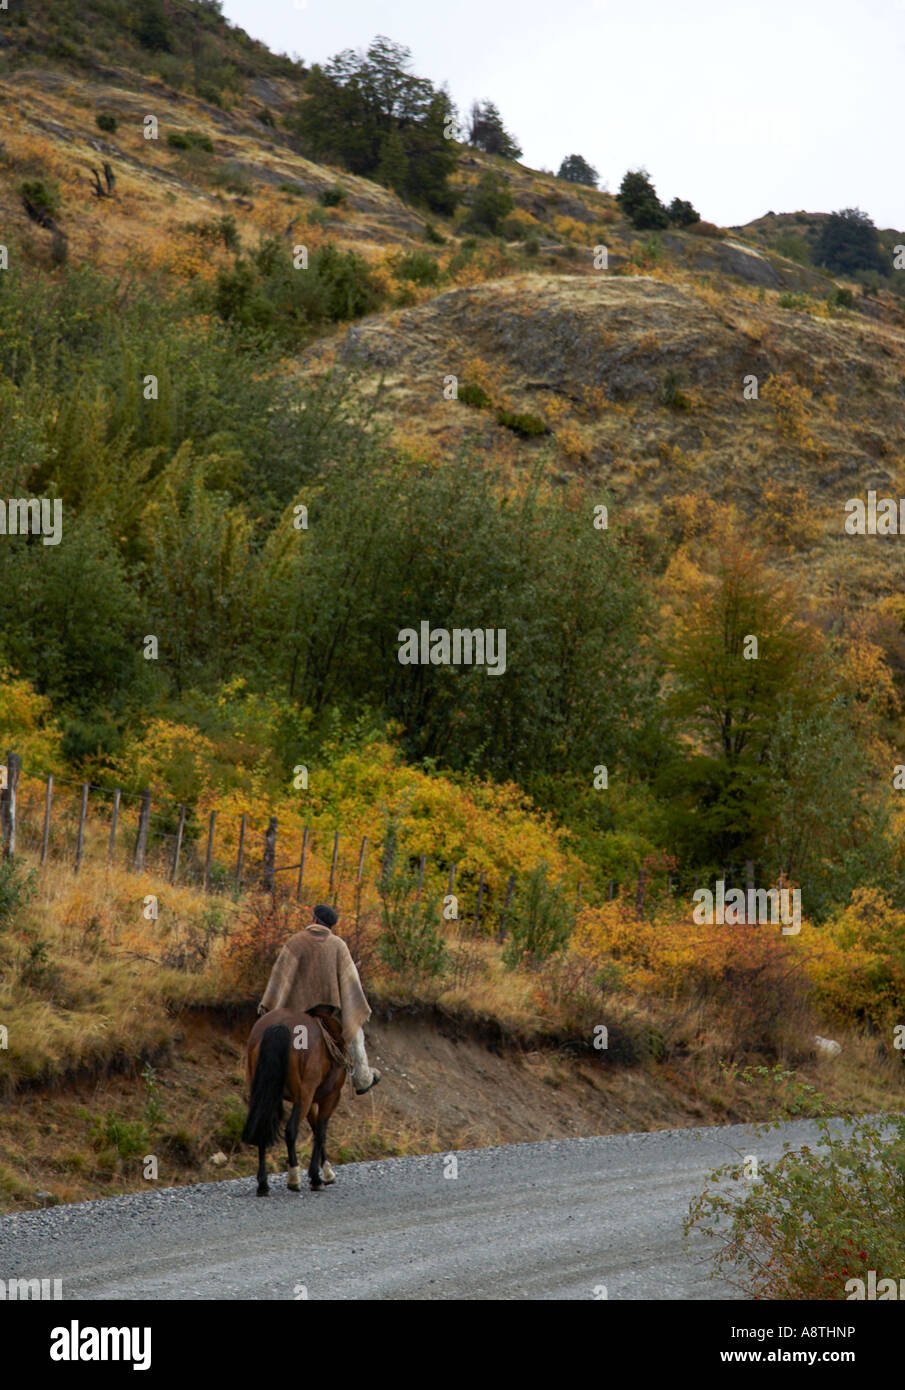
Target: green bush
(410, 941)
(190, 140)
(431, 234)
(672, 394)
(16, 888)
(264, 295)
(790, 300)
(491, 204)
(106, 121)
(539, 921)
(816, 1218)
(532, 246)
(417, 266)
(129, 1138)
(43, 194)
(474, 395)
(528, 426)
(331, 197)
(840, 297)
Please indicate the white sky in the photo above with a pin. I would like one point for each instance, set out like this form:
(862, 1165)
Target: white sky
(742, 108)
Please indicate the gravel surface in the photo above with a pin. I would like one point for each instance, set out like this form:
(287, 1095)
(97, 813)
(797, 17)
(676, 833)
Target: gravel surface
(555, 1220)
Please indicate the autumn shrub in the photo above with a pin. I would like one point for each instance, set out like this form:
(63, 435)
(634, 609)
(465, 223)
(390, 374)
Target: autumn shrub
(252, 946)
(791, 406)
(858, 961)
(816, 1218)
(745, 973)
(107, 122)
(707, 229)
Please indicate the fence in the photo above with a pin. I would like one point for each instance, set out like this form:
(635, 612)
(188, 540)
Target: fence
(65, 821)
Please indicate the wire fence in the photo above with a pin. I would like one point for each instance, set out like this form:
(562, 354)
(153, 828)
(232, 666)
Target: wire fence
(62, 821)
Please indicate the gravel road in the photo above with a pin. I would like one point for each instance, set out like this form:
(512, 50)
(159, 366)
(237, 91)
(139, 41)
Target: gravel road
(555, 1220)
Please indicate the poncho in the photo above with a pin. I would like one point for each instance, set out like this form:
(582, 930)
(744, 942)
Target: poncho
(315, 967)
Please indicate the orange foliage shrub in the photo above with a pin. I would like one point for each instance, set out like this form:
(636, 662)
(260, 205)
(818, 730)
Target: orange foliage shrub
(747, 971)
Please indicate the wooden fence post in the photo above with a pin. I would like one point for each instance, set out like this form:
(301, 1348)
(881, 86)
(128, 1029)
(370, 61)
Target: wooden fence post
(298, 889)
(180, 830)
(639, 904)
(113, 819)
(361, 859)
(240, 856)
(83, 815)
(209, 854)
(501, 930)
(389, 856)
(333, 862)
(141, 842)
(477, 911)
(8, 804)
(609, 891)
(270, 855)
(45, 838)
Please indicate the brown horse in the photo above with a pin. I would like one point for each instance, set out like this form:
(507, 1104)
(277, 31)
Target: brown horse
(288, 1058)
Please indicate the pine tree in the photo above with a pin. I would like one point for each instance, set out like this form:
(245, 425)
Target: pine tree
(576, 169)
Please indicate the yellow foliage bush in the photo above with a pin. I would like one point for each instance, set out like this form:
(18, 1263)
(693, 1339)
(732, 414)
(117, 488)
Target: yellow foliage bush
(791, 406)
(571, 442)
(858, 963)
(570, 229)
(27, 724)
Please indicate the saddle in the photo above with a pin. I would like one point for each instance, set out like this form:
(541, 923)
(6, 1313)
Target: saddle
(332, 1034)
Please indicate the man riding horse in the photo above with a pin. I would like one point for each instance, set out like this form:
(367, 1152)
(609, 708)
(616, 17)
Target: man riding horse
(315, 968)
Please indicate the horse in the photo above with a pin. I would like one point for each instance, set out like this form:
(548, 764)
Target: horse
(288, 1057)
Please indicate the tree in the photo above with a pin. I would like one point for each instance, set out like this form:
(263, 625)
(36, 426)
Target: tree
(153, 30)
(392, 171)
(848, 242)
(576, 169)
(638, 199)
(369, 112)
(726, 695)
(681, 213)
(491, 204)
(487, 132)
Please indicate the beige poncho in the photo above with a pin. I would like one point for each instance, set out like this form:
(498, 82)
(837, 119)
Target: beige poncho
(315, 967)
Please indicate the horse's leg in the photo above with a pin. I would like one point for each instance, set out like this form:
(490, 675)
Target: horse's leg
(318, 1130)
(263, 1189)
(325, 1110)
(294, 1182)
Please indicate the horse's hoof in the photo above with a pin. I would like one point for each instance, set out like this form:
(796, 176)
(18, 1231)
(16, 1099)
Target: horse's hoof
(315, 1186)
(263, 1191)
(294, 1182)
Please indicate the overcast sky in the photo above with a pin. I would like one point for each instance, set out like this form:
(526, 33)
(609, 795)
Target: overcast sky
(742, 108)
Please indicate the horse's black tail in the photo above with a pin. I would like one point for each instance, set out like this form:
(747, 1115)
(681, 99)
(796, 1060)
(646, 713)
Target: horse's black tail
(265, 1109)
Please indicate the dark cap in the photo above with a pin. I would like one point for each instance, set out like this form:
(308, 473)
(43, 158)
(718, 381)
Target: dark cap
(325, 915)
